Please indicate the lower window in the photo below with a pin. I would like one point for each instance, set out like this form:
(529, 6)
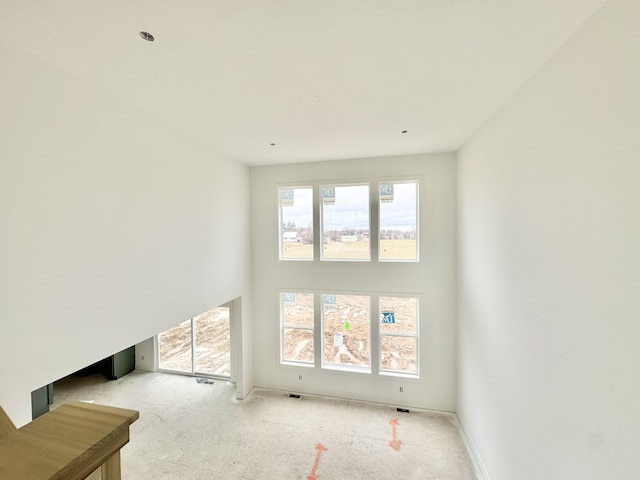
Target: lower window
(342, 326)
(346, 330)
(399, 334)
(297, 319)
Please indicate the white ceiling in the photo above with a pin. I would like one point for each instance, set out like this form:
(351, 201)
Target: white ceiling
(322, 79)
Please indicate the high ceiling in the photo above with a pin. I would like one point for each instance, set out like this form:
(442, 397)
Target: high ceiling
(321, 79)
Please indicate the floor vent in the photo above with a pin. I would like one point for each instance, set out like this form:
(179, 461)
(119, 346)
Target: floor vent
(208, 381)
(402, 410)
(294, 395)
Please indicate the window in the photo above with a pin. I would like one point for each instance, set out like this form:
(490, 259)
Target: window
(200, 345)
(399, 334)
(345, 222)
(297, 325)
(174, 348)
(345, 323)
(296, 223)
(345, 226)
(374, 221)
(398, 221)
(346, 329)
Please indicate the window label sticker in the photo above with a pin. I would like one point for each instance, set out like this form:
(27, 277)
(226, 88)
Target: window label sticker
(337, 340)
(286, 197)
(289, 300)
(388, 317)
(329, 195)
(330, 303)
(386, 193)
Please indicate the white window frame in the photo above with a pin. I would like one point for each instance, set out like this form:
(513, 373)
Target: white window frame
(374, 218)
(346, 368)
(321, 233)
(194, 372)
(395, 373)
(283, 326)
(417, 226)
(280, 222)
(375, 337)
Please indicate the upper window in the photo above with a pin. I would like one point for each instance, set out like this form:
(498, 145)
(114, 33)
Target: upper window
(345, 222)
(296, 223)
(398, 221)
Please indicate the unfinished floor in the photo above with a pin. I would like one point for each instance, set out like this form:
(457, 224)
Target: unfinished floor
(192, 430)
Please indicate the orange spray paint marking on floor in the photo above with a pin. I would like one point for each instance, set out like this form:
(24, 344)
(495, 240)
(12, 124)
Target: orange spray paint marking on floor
(321, 448)
(395, 443)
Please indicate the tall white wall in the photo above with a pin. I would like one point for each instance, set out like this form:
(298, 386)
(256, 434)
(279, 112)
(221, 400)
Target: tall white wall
(549, 265)
(113, 227)
(433, 278)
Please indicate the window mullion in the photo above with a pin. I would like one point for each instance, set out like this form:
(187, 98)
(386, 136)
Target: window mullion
(318, 343)
(374, 221)
(317, 231)
(375, 334)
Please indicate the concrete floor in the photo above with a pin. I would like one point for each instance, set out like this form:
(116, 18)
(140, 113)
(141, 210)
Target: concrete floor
(189, 430)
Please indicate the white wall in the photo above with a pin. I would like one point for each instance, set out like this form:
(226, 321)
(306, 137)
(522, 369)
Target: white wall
(549, 255)
(433, 278)
(113, 227)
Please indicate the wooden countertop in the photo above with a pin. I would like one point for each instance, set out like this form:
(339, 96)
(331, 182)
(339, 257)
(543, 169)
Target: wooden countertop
(67, 443)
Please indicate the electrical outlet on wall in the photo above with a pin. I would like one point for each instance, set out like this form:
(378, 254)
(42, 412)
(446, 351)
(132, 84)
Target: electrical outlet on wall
(299, 377)
(401, 389)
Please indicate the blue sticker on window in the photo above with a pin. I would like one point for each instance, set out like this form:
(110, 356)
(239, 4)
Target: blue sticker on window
(388, 317)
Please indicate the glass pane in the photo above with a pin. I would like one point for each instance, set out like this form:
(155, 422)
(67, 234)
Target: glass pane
(297, 309)
(174, 347)
(398, 315)
(296, 223)
(398, 221)
(213, 342)
(346, 330)
(399, 354)
(298, 345)
(345, 222)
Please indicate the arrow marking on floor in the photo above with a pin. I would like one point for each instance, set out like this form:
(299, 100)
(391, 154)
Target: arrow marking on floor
(395, 443)
(321, 448)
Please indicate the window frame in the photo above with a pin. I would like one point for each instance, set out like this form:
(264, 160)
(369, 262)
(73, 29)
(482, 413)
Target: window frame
(348, 368)
(416, 335)
(321, 215)
(281, 241)
(373, 221)
(416, 181)
(375, 335)
(283, 327)
(194, 371)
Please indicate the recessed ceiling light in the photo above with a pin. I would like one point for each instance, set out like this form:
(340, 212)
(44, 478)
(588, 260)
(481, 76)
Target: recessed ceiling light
(272, 144)
(404, 131)
(147, 36)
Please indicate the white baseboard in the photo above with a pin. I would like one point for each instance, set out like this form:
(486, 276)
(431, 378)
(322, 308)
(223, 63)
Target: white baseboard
(478, 466)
